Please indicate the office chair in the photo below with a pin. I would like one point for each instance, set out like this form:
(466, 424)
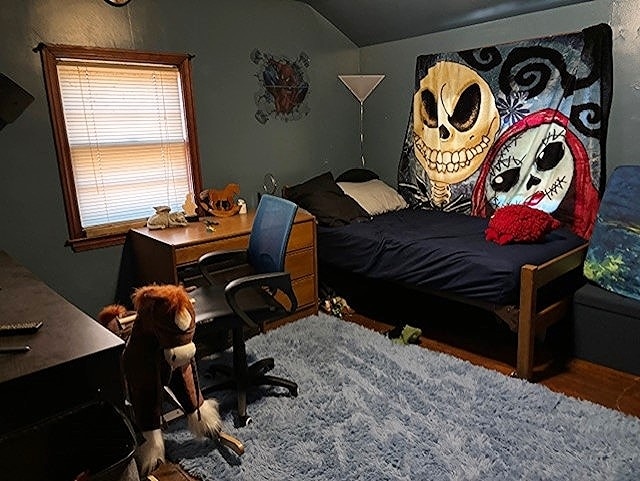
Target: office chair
(244, 291)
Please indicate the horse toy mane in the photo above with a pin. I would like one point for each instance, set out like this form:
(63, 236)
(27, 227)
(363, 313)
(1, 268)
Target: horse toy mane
(160, 353)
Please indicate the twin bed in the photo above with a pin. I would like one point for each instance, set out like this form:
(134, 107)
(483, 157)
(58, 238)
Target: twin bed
(438, 251)
(511, 127)
(527, 285)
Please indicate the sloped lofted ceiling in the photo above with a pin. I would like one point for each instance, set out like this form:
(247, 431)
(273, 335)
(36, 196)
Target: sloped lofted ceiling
(369, 22)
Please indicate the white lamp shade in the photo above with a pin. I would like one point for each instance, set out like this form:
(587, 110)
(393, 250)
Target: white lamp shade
(361, 85)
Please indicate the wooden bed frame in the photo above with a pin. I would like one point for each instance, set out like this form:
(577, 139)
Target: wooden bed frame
(530, 318)
(533, 315)
(546, 290)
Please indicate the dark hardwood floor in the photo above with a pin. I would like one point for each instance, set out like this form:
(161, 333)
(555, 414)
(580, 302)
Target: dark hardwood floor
(477, 336)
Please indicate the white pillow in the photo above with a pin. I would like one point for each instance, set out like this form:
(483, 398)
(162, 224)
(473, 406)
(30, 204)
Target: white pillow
(374, 196)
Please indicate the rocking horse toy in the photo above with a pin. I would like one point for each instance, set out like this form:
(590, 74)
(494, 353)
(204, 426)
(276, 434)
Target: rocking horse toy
(160, 354)
(220, 203)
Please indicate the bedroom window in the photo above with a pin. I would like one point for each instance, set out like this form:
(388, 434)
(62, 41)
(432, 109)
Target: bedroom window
(125, 136)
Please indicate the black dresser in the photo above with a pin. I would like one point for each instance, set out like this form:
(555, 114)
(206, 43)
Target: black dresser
(72, 360)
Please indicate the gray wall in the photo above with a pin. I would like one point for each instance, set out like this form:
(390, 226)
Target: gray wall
(234, 147)
(387, 109)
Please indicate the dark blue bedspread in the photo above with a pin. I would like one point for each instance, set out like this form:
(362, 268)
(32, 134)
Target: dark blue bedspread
(438, 251)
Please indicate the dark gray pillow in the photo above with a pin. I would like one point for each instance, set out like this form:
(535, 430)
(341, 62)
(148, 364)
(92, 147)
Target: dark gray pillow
(320, 183)
(357, 175)
(323, 198)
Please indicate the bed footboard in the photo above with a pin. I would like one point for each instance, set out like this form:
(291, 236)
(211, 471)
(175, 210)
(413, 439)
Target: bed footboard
(532, 318)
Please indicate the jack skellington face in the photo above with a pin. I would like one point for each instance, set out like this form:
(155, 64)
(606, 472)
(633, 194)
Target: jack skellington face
(455, 121)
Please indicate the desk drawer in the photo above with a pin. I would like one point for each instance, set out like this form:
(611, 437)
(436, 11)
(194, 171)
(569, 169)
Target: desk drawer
(305, 290)
(186, 255)
(301, 236)
(300, 263)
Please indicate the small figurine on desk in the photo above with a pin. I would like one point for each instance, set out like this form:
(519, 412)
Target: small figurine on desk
(210, 225)
(220, 203)
(164, 218)
(190, 207)
(243, 206)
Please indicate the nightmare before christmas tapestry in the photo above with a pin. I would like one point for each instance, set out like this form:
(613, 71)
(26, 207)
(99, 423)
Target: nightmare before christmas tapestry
(519, 123)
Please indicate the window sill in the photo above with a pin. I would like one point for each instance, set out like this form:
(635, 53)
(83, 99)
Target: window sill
(92, 243)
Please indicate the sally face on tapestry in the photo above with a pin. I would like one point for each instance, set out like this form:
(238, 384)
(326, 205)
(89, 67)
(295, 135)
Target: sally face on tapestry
(549, 170)
(538, 162)
(520, 123)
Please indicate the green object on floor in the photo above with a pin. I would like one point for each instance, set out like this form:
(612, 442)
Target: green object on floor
(409, 335)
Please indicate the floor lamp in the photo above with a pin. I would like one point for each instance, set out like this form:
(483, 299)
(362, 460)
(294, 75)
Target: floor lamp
(361, 86)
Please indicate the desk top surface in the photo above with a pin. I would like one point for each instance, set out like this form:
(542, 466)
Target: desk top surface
(66, 335)
(196, 232)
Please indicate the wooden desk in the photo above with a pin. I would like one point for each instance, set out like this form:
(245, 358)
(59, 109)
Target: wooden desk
(73, 359)
(170, 255)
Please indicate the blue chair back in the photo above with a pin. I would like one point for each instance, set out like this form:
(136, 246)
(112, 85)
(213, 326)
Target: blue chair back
(270, 233)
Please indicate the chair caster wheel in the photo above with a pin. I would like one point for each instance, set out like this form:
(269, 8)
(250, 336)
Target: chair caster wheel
(293, 392)
(244, 421)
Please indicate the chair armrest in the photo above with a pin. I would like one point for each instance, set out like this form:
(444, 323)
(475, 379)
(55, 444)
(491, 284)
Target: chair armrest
(272, 282)
(215, 261)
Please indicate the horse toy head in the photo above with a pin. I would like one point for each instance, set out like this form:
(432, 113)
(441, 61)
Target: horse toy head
(160, 353)
(165, 315)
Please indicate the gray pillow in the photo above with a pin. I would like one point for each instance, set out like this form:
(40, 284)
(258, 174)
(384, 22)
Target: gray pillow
(324, 199)
(357, 175)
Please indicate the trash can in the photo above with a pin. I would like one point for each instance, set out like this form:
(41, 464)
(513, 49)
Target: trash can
(92, 442)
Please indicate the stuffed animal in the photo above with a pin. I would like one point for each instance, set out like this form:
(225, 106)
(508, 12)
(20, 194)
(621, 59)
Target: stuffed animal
(160, 352)
(519, 223)
(164, 218)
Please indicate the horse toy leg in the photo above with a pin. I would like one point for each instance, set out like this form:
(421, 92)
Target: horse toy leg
(188, 398)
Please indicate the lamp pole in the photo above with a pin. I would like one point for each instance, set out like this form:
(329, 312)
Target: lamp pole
(361, 86)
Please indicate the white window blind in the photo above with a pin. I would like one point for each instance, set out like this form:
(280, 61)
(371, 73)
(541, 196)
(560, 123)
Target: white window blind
(128, 140)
